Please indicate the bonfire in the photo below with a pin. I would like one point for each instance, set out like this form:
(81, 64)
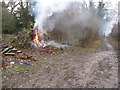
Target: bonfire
(38, 39)
(41, 40)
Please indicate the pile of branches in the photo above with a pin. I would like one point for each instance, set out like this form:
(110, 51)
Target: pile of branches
(13, 56)
(23, 39)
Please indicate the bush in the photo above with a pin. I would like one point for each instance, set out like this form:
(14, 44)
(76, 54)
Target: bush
(89, 39)
(23, 39)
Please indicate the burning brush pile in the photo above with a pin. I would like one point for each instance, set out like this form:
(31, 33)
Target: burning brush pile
(39, 38)
(42, 43)
(42, 40)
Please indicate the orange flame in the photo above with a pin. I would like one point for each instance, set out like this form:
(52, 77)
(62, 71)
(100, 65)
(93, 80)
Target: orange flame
(36, 38)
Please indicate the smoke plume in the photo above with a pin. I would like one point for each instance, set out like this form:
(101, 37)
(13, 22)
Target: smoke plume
(71, 17)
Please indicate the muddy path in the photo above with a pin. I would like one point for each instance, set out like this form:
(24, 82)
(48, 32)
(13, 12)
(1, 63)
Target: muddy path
(72, 69)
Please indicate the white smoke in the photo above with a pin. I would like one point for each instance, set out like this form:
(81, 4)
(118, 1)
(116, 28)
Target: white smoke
(73, 23)
(45, 8)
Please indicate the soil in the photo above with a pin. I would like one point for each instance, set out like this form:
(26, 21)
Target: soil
(73, 68)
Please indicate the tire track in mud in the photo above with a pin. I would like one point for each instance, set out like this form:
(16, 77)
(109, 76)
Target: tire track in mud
(101, 69)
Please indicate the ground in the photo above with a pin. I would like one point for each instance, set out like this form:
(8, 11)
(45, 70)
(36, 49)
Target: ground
(73, 68)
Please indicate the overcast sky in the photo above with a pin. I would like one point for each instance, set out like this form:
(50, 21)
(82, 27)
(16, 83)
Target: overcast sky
(113, 2)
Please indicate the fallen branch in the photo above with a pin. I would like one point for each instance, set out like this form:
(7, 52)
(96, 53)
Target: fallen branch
(14, 50)
(6, 49)
(9, 54)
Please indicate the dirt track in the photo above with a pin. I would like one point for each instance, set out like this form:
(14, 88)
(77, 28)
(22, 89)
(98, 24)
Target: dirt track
(72, 69)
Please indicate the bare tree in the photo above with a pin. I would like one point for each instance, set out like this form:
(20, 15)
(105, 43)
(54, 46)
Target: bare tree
(12, 4)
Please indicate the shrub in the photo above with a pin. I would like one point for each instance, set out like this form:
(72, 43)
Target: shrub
(89, 38)
(23, 39)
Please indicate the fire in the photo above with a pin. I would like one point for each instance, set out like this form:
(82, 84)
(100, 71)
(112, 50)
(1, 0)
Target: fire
(36, 38)
(39, 39)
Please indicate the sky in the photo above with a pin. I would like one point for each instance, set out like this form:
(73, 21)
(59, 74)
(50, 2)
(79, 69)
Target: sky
(112, 4)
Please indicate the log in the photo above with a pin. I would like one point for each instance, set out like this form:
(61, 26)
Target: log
(6, 49)
(19, 51)
(33, 59)
(9, 54)
(23, 57)
(14, 50)
(27, 57)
